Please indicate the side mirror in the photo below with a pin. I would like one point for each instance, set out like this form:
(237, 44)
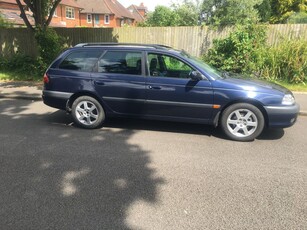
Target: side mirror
(196, 76)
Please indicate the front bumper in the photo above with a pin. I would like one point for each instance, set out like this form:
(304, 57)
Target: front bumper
(282, 116)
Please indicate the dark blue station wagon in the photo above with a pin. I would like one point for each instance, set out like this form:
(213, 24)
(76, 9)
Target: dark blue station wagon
(94, 81)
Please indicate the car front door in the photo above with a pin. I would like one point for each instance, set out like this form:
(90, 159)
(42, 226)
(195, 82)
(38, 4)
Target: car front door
(171, 93)
(120, 81)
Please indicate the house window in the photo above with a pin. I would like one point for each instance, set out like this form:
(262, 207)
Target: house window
(106, 19)
(89, 18)
(55, 13)
(70, 12)
(96, 19)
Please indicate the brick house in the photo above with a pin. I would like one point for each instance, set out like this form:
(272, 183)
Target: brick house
(104, 13)
(9, 10)
(85, 13)
(139, 12)
(67, 13)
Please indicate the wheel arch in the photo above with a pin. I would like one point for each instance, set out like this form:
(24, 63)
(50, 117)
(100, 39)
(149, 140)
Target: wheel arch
(255, 103)
(80, 94)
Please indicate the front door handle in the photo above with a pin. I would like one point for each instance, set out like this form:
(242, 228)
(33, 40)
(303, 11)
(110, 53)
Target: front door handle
(154, 87)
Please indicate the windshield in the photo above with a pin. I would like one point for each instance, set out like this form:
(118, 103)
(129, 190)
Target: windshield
(200, 64)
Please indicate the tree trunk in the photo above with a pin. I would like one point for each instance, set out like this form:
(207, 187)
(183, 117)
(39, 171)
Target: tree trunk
(24, 16)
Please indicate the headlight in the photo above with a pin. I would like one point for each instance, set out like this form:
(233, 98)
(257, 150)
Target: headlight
(288, 100)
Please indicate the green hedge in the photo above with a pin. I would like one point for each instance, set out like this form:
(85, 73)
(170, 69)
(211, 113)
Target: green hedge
(245, 51)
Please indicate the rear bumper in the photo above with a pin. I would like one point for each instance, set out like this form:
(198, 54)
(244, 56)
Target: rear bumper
(282, 116)
(56, 99)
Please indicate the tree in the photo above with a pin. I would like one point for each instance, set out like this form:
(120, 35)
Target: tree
(42, 10)
(49, 42)
(298, 18)
(162, 16)
(264, 10)
(283, 9)
(229, 12)
(185, 14)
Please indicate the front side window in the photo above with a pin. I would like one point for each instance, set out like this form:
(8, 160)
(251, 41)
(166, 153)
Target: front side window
(81, 61)
(89, 18)
(123, 62)
(161, 65)
(106, 19)
(70, 12)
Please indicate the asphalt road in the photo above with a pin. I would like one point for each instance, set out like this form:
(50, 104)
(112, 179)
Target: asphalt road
(135, 174)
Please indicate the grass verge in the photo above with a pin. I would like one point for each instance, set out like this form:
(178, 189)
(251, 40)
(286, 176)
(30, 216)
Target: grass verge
(18, 76)
(294, 87)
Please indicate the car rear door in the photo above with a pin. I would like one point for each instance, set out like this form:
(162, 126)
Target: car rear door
(120, 81)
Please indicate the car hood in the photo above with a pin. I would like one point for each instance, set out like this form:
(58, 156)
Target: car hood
(241, 83)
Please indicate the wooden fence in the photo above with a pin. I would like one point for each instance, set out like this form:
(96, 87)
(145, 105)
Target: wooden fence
(195, 40)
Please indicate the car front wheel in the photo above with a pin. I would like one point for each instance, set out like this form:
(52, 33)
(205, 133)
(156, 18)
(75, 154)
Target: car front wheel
(87, 112)
(242, 122)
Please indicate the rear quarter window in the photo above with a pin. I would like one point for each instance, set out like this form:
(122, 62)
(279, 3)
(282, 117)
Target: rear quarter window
(81, 60)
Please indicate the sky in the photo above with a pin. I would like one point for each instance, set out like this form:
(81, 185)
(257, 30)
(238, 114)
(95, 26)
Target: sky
(150, 4)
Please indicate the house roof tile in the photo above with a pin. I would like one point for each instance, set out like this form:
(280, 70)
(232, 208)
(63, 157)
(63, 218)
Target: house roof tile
(105, 7)
(134, 10)
(94, 6)
(73, 3)
(12, 2)
(118, 9)
(13, 16)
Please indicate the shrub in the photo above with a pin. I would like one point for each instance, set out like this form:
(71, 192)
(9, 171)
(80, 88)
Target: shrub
(238, 52)
(245, 51)
(50, 45)
(287, 61)
(21, 67)
(298, 18)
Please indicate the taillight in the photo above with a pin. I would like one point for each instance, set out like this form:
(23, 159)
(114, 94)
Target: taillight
(46, 79)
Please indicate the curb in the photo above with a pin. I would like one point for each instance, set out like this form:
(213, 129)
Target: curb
(302, 113)
(22, 97)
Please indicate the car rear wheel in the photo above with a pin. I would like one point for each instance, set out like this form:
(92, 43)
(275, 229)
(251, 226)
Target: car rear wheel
(242, 122)
(87, 112)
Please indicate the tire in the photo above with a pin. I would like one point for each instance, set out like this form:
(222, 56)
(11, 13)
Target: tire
(242, 122)
(87, 112)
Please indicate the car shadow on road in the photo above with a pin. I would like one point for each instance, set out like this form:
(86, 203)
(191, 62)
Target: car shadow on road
(164, 126)
(271, 134)
(60, 117)
(54, 176)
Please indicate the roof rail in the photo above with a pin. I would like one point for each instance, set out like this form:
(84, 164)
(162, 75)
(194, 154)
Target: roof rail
(157, 46)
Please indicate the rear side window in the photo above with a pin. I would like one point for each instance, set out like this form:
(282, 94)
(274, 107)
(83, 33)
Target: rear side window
(81, 60)
(124, 62)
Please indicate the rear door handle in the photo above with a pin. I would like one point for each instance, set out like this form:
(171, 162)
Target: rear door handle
(154, 87)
